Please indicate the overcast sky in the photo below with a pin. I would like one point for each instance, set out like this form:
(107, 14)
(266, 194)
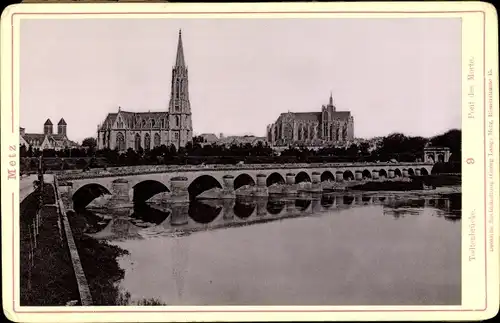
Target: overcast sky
(394, 75)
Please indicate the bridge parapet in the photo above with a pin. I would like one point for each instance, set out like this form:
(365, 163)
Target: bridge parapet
(139, 170)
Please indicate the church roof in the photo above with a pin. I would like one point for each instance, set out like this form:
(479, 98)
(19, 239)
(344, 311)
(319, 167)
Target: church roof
(131, 118)
(62, 122)
(308, 116)
(48, 123)
(30, 137)
(342, 115)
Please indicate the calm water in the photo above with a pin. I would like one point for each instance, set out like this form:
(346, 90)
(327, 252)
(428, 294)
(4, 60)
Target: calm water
(313, 250)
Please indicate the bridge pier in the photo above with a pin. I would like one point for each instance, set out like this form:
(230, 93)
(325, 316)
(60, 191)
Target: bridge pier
(179, 214)
(358, 175)
(375, 174)
(417, 172)
(405, 173)
(261, 189)
(261, 206)
(358, 200)
(120, 192)
(316, 206)
(228, 190)
(179, 189)
(390, 173)
(316, 182)
(290, 187)
(339, 177)
(227, 209)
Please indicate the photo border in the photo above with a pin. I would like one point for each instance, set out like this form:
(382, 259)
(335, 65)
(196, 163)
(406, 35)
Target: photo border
(487, 53)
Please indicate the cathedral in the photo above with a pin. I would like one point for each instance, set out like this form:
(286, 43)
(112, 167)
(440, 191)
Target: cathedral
(328, 127)
(146, 130)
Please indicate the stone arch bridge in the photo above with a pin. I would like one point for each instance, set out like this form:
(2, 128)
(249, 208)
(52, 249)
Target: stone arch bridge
(127, 184)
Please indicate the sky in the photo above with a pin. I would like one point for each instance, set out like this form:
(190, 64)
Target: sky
(394, 75)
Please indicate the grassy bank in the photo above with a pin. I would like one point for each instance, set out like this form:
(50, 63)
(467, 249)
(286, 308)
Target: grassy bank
(99, 262)
(51, 280)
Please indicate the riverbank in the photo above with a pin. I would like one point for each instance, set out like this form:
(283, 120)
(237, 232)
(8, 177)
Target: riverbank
(47, 276)
(99, 262)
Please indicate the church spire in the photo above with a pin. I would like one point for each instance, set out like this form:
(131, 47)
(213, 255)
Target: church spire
(331, 99)
(179, 61)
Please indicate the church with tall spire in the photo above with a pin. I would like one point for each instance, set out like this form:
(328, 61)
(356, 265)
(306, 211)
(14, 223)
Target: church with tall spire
(146, 130)
(327, 127)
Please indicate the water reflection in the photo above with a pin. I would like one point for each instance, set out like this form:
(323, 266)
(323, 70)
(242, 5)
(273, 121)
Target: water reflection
(244, 208)
(220, 213)
(204, 211)
(351, 267)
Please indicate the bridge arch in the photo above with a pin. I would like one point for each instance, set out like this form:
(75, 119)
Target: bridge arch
(348, 199)
(274, 207)
(302, 177)
(397, 173)
(243, 210)
(203, 213)
(144, 190)
(87, 193)
(382, 173)
(242, 180)
(275, 178)
(302, 204)
(327, 176)
(202, 184)
(411, 171)
(366, 174)
(348, 175)
(424, 171)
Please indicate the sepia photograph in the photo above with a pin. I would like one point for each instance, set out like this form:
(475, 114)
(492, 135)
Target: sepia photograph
(178, 161)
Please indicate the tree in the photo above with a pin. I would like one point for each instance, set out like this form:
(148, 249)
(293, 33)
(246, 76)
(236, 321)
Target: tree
(89, 142)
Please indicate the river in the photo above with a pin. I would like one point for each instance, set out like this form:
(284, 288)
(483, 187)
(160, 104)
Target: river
(377, 249)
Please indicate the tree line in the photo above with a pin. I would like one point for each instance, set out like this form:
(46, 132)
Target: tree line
(394, 147)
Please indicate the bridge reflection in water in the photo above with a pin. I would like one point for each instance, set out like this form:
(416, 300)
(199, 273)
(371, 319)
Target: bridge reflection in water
(184, 218)
(313, 249)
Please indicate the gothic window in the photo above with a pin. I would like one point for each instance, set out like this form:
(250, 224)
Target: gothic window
(300, 132)
(288, 132)
(104, 139)
(120, 141)
(177, 89)
(177, 121)
(144, 123)
(306, 133)
(147, 141)
(339, 136)
(163, 123)
(344, 134)
(275, 132)
(152, 123)
(157, 140)
(331, 132)
(137, 141)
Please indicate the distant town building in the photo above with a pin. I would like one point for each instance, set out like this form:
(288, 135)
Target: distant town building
(209, 138)
(48, 139)
(228, 141)
(124, 130)
(328, 127)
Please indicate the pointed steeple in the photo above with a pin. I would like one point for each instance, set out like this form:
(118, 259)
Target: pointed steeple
(179, 61)
(331, 99)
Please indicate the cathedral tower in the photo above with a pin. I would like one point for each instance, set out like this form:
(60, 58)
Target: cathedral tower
(181, 129)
